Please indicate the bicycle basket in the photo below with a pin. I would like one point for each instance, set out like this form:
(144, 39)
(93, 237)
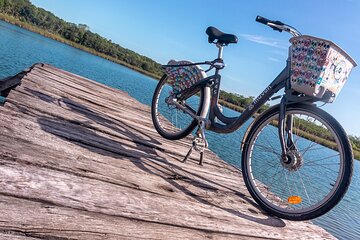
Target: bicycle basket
(319, 68)
(183, 77)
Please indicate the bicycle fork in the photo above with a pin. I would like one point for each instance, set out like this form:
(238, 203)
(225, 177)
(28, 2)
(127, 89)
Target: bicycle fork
(290, 157)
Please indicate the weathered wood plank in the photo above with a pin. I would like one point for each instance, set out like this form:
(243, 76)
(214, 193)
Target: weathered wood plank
(44, 220)
(85, 160)
(79, 193)
(8, 83)
(79, 160)
(15, 235)
(94, 121)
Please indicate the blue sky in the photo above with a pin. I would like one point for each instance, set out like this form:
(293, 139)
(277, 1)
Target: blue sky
(169, 29)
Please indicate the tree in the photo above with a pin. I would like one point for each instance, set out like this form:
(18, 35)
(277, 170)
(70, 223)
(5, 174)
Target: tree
(355, 142)
(8, 7)
(84, 27)
(1, 5)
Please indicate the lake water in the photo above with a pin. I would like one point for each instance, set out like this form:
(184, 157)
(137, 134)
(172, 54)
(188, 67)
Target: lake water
(19, 49)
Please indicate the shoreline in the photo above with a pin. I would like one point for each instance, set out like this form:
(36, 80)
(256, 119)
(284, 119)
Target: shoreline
(37, 30)
(34, 29)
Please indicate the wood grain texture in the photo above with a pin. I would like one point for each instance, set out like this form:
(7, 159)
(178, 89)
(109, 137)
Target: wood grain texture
(80, 160)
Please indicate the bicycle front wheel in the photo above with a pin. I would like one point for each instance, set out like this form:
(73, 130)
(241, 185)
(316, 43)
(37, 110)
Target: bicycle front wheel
(170, 121)
(314, 175)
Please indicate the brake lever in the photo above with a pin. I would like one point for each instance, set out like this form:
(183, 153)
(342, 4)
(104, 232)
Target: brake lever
(276, 27)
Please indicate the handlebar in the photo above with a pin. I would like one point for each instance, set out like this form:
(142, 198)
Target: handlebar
(278, 26)
(274, 24)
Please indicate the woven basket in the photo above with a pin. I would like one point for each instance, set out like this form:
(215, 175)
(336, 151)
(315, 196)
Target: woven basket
(183, 77)
(319, 68)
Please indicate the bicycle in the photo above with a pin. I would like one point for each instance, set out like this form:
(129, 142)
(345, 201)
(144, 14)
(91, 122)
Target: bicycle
(297, 160)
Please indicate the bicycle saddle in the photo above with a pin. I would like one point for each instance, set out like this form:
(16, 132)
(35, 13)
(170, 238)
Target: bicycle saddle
(223, 38)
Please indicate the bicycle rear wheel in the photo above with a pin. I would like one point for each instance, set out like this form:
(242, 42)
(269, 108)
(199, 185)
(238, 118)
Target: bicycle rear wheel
(169, 121)
(314, 176)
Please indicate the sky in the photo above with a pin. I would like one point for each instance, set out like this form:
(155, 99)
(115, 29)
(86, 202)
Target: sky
(169, 29)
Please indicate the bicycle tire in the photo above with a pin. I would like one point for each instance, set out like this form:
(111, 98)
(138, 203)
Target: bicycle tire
(268, 196)
(174, 132)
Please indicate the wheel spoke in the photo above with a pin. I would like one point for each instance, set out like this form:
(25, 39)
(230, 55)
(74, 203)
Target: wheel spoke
(303, 185)
(170, 121)
(305, 181)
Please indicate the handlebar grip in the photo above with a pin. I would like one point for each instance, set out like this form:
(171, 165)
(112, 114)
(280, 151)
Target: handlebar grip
(266, 21)
(262, 20)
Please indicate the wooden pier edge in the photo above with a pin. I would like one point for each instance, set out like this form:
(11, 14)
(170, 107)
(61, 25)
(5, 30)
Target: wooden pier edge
(81, 160)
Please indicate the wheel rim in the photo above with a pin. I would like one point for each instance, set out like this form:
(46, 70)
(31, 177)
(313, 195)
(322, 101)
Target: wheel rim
(172, 120)
(315, 180)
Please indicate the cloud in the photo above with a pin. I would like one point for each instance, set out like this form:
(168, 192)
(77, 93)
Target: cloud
(272, 42)
(273, 59)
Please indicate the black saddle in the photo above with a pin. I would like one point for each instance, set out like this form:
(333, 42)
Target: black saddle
(222, 38)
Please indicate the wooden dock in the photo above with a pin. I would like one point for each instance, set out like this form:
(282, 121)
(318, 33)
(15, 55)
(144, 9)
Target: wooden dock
(80, 160)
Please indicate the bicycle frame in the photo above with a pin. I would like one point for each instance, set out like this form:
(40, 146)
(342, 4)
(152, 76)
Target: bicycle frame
(231, 124)
(211, 98)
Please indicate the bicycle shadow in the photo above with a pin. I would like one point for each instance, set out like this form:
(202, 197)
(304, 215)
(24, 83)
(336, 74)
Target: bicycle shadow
(144, 156)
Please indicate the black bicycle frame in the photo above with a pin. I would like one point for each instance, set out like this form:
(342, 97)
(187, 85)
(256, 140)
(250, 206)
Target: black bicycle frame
(231, 124)
(234, 123)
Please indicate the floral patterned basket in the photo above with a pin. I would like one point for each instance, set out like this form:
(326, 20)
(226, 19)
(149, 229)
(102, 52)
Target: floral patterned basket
(319, 68)
(183, 77)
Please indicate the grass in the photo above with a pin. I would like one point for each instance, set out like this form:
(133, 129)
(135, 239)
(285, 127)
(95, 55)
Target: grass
(231, 106)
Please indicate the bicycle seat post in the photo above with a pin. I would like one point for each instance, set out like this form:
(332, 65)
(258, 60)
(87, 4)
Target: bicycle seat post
(221, 48)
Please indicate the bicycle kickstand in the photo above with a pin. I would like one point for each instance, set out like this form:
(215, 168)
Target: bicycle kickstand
(198, 144)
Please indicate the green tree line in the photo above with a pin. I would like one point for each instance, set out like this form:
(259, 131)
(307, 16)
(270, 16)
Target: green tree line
(355, 142)
(26, 12)
(240, 100)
